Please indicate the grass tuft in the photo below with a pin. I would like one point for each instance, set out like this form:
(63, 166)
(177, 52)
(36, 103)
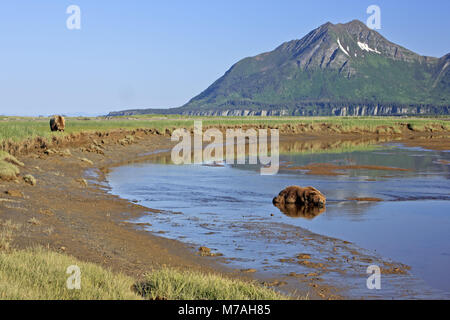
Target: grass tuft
(41, 274)
(189, 285)
(4, 156)
(8, 171)
(7, 229)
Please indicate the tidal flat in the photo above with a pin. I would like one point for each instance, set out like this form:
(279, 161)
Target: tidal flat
(387, 205)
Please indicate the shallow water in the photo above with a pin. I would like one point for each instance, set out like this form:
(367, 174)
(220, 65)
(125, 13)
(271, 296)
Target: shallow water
(230, 209)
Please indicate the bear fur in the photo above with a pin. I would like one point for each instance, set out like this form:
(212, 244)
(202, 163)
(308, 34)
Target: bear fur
(57, 123)
(308, 197)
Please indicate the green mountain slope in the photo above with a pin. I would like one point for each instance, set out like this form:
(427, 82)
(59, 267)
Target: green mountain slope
(337, 69)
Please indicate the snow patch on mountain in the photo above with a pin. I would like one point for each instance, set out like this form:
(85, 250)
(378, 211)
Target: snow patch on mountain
(342, 48)
(365, 47)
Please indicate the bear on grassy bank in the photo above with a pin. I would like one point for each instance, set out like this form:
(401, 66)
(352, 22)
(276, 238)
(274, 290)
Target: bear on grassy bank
(57, 123)
(308, 197)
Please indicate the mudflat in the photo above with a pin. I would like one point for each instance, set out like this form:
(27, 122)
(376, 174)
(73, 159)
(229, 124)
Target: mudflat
(70, 210)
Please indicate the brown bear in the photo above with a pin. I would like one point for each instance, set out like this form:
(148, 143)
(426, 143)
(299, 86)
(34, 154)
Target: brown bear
(57, 123)
(308, 197)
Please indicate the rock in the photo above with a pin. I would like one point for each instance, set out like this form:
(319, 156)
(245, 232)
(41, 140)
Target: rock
(127, 140)
(46, 212)
(249, 270)
(296, 275)
(144, 224)
(312, 274)
(62, 153)
(14, 193)
(96, 149)
(66, 153)
(286, 260)
(29, 179)
(50, 151)
(34, 221)
(204, 250)
(83, 182)
(87, 161)
(275, 283)
(310, 264)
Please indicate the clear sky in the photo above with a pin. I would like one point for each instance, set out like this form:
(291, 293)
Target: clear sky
(149, 53)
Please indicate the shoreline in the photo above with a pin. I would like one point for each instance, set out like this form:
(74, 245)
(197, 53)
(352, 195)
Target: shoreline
(91, 224)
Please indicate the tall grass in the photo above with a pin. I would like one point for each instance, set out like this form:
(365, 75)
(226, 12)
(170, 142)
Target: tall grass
(188, 285)
(18, 129)
(8, 171)
(41, 274)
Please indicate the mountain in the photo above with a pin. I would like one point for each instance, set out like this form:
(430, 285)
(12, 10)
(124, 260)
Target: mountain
(131, 112)
(336, 69)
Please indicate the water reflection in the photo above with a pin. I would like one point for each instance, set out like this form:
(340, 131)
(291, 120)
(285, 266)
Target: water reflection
(300, 211)
(292, 146)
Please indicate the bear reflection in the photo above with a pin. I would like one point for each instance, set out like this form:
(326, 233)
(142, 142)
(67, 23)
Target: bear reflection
(300, 211)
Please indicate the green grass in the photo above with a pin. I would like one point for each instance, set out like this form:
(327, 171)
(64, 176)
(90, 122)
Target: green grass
(8, 166)
(7, 229)
(189, 285)
(41, 274)
(19, 129)
(8, 171)
(5, 156)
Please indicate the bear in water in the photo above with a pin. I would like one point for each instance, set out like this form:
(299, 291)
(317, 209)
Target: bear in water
(308, 197)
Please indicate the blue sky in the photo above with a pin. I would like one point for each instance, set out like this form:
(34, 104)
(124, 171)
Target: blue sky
(138, 53)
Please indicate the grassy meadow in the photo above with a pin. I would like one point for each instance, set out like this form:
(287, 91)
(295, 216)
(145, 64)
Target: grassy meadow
(21, 128)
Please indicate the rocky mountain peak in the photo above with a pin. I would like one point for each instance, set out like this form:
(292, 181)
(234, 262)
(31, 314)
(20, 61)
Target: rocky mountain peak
(334, 65)
(336, 69)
